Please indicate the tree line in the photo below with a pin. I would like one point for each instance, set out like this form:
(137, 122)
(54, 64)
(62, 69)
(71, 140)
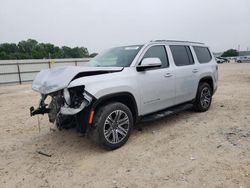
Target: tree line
(230, 53)
(31, 49)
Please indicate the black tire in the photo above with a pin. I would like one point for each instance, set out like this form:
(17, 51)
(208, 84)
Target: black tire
(102, 123)
(203, 103)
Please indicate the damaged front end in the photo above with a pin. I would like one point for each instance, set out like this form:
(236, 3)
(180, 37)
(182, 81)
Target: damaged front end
(64, 106)
(68, 105)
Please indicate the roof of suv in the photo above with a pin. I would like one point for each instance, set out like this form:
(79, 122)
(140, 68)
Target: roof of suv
(177, 42)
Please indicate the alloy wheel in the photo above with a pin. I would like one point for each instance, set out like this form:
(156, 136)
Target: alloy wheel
(205, 98)
(116, 126)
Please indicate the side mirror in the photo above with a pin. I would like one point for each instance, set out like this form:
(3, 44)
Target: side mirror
(150, 62)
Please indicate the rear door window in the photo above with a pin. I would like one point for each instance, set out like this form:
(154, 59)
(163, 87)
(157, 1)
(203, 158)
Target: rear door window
(182, 55)
(203, 54)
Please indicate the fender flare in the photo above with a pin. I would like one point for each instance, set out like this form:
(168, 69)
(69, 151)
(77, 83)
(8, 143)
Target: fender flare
(205, 78)
(120, 97)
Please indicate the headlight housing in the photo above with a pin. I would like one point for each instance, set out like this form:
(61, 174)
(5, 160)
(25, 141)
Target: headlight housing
(75, 100)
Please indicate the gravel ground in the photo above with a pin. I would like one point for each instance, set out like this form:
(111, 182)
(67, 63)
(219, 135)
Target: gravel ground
(210, 149)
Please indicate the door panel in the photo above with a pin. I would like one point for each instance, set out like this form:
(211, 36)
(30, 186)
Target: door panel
(185, 73)
(186, 83)
(157, 88)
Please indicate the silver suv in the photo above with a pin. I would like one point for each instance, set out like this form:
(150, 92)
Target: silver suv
(126, 85)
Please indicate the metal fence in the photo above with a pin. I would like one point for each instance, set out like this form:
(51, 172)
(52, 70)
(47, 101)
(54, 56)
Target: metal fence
(20, 71)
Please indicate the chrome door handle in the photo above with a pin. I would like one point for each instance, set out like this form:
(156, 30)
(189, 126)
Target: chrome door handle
(195, 70)
(168, 75)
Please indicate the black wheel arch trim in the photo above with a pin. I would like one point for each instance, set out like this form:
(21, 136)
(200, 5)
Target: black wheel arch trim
(211, 82)
(116, 96)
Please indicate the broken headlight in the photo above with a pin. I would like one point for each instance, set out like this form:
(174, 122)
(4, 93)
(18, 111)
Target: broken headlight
(75, 100)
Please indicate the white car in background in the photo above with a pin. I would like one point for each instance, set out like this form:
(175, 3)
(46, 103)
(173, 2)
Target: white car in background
(243, 59)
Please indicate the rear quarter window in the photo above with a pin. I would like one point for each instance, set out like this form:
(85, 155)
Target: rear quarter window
(203, 54)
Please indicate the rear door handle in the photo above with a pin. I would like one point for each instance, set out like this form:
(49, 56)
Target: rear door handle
(195, 70)
(168, 75)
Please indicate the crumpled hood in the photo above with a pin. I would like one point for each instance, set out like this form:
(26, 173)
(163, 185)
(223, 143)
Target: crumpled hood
(51, 80)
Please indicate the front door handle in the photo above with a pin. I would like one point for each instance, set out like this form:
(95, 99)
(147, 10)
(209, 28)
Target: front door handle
(195, 70)
(168, 75)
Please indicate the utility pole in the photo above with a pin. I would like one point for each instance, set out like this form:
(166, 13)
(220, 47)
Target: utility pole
(238, 49)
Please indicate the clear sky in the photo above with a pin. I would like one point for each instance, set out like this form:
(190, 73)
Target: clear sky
(101, 24)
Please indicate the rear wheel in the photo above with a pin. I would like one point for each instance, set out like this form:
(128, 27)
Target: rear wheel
(203, 98)
(113, 123)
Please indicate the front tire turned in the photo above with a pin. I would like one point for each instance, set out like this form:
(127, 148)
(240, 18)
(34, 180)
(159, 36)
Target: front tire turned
(113, 124)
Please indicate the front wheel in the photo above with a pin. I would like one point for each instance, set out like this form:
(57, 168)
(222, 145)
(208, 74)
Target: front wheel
(203, 97)
(113, 123)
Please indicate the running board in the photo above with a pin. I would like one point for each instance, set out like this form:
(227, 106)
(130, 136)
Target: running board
(164, 113)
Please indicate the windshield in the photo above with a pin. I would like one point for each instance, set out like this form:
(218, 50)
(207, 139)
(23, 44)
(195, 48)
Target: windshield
(116, 57)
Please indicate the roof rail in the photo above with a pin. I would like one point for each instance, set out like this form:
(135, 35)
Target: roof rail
(175, 41)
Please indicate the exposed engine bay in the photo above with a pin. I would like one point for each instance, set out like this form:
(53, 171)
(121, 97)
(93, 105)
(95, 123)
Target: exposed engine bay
(63, 106)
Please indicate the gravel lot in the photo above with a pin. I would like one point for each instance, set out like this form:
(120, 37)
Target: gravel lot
(189, 149)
